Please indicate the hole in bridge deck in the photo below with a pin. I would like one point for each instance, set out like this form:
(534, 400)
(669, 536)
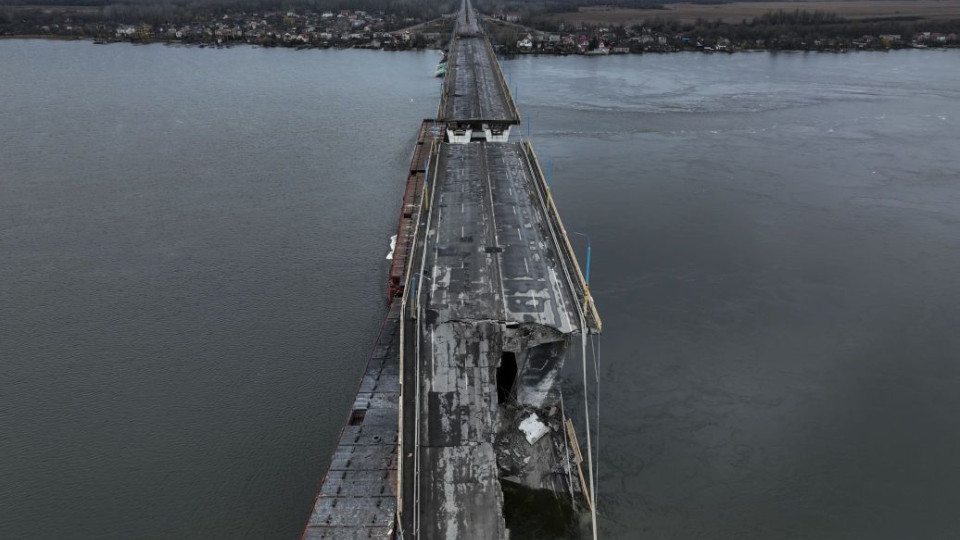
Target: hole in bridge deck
(356, 417)
(506, 376)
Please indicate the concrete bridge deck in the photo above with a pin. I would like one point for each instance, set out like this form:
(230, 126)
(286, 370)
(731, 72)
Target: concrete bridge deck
(491, 251)
(491, 261)
(474, 91)
(358, 498)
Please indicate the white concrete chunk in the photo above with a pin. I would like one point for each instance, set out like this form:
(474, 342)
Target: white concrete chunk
(533, 428)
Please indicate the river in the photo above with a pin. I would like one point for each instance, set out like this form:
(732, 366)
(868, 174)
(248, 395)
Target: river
(192, 270)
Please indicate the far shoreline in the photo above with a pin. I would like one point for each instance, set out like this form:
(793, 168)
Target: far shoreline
(509, 56)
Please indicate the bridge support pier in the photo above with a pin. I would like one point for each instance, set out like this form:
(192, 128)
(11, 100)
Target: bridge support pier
(457, 135)
(497, 134)
(465, 134)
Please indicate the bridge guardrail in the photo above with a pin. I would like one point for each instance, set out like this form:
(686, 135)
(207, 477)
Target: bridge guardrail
(570, 255)
(410, 292)
(446, 79)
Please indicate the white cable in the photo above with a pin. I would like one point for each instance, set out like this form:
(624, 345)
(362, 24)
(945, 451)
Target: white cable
(595, 340)
(586, 407)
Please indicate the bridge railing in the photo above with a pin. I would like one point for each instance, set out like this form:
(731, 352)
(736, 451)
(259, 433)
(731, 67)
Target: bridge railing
(451, 65)
(408, 325)
(570, 258)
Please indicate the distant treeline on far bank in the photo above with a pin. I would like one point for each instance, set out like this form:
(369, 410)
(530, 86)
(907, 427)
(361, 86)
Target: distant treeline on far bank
(403, 24)
(297, 23)
(775, 30)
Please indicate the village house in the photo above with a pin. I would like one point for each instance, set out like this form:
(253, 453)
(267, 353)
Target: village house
(526, 43)
(126, 30)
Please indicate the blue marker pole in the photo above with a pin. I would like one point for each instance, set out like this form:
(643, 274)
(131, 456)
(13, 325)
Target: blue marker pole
(588, 260)
(549, 172)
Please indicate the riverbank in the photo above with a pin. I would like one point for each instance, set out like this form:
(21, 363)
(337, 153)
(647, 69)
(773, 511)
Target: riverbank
(230, 44)
(310, 29)
(777, 31)
(771, 31)
(503, 51)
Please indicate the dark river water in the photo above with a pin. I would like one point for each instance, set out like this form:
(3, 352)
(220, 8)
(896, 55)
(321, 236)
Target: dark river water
(192, 269)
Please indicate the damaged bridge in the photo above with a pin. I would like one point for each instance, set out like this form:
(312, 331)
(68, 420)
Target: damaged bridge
(491, 305)
(487, 328)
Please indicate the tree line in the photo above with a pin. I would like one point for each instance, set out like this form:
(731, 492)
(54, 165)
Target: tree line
(186, 11)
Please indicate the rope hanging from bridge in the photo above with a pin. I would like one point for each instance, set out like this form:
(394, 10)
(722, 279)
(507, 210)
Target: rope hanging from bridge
(595, 348)
(586, 409)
